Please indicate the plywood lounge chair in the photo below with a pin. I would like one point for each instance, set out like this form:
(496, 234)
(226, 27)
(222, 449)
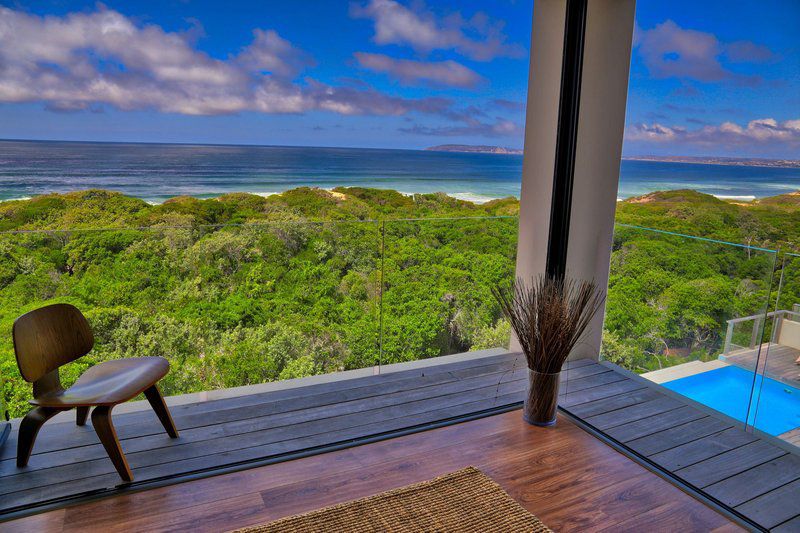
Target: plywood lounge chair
(50, 337)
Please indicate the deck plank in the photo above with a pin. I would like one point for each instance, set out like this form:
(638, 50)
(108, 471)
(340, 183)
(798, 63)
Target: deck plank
(790, 526)
(626, 415)
(572, 386)
(395, 380)
(56, 437)
(701, 449)
(250, 420)
(756, 481)
(582, 371)
(576, 363)
(675, 436)
(654, 424)
(574, 398)
(730, 463)
(604, 405)
(774, 507)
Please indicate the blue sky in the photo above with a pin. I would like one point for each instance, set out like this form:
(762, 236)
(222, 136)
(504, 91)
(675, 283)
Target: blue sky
(712, 77)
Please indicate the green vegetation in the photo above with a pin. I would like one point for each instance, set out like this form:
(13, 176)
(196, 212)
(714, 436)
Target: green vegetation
(670, 296)
(244, 289)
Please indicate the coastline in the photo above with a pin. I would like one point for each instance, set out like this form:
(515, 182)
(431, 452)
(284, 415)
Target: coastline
(465, 196)
(718, 162)
(469, 198)
(157, 172)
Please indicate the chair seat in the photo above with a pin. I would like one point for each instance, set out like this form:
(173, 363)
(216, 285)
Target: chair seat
(109, 383)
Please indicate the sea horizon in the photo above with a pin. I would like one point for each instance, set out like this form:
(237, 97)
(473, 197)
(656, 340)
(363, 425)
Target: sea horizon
(155, 172)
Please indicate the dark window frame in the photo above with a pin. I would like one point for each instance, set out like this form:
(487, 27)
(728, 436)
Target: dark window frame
(566, 137)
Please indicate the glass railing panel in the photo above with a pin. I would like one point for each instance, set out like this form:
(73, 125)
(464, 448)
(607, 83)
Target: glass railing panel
(776, 400)
(689, 314)
(438, 276)
(231, 307)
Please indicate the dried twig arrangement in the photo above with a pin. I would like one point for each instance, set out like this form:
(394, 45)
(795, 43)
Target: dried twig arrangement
(549, 315)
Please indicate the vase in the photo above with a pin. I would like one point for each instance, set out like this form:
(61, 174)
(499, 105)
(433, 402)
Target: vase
(541, 402)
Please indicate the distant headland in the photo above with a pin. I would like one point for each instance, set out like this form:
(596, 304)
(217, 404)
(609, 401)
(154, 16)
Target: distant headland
(475, 149)
(714, 160)
(697, 160)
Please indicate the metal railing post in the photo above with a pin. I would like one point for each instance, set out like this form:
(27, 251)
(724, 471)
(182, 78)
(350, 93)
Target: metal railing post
(777, 325)
(728, 338)
(756, 335)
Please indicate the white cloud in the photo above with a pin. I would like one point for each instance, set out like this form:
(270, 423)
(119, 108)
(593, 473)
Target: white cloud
(84, 59)
(669, 51)
(499, 127)
(408, 71)
(477, 38)
(748, 52)
(87, 60)
(273, 54)
(728, 134)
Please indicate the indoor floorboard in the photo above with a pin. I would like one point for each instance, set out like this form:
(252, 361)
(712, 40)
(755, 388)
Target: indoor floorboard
(591, 490)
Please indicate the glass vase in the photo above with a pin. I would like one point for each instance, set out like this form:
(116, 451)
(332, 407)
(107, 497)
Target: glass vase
(541, 401)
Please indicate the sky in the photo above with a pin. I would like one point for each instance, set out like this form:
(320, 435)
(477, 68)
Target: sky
(707, 78)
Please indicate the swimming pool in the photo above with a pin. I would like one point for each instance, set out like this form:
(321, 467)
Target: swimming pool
(776, 408)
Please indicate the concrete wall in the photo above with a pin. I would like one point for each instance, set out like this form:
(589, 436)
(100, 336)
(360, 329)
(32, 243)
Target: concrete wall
(790, 334)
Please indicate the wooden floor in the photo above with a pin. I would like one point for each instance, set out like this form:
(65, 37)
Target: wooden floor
(776, 361)
(569, 479)
(759, 480)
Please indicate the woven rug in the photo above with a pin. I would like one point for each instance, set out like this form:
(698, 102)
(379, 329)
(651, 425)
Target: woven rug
(466, 500)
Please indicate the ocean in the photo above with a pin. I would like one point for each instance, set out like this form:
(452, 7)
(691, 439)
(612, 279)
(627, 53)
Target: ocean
(155, 172)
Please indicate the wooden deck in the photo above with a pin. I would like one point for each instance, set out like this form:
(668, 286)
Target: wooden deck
(757, 479)
(68, 460)
(792, 437)
(776, 362)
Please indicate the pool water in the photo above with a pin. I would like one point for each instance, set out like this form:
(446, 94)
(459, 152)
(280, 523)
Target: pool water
(776, 407)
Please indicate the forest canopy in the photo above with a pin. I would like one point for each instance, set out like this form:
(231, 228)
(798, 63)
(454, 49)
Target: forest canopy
(245, 289)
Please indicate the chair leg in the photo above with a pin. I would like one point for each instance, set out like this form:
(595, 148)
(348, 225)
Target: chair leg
(83, 414)
(160, 407)
(29, 428)
(101, 420)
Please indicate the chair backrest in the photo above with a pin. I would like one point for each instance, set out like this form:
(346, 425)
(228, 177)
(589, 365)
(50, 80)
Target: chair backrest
(50, 337)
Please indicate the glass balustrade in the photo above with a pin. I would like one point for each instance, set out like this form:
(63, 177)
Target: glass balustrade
(437, 303)
(231, 307)
(776, 399)
(689, 314)
(235, 307)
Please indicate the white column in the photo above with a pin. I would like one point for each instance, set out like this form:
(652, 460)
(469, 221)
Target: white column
(541, 124)
(604, 90)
